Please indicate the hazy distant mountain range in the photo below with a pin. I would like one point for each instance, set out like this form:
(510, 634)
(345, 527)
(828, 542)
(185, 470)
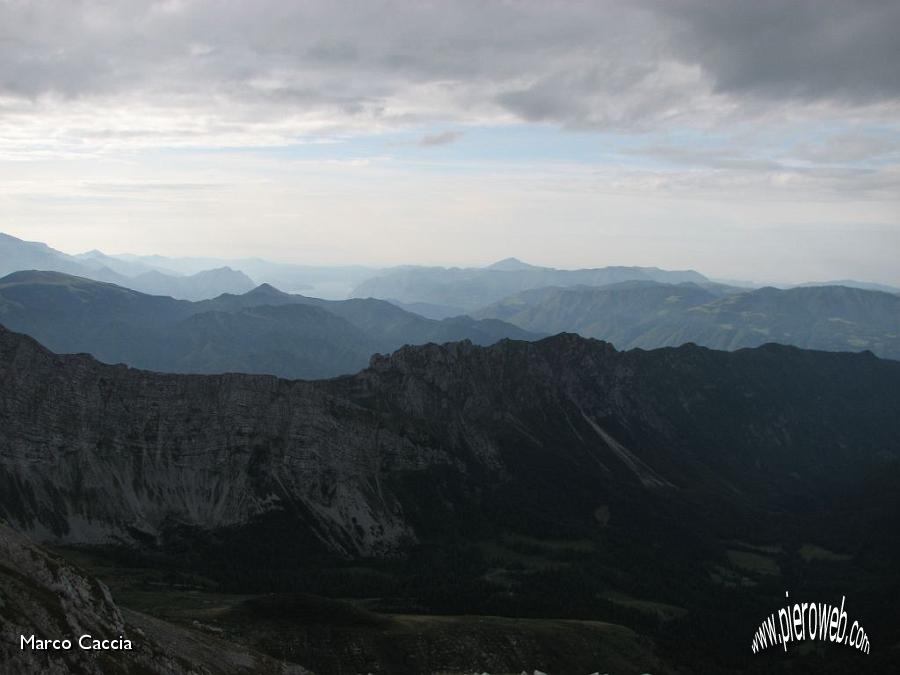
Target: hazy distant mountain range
(629, 306)
(328, 281)
(17, 255)
(434, 292)
(183, 278)
(852, 283)
(262, 331)
(471, 288)
(649, 315)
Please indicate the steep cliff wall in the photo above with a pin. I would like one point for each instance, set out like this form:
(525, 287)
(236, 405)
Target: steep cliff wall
(96, 453)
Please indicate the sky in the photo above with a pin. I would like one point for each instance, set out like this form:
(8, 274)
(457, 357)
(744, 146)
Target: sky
(748, 140)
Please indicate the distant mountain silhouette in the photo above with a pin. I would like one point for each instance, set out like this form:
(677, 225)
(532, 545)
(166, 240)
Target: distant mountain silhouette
(650, 315)
(511, 265)
(474, 287)
(96, 259)
(206, 284)
(853, 283)
(262, 331)
(332, 281)
(18, 255)
(428, 309)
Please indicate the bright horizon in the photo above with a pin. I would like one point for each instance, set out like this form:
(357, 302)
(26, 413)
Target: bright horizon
(657, 134)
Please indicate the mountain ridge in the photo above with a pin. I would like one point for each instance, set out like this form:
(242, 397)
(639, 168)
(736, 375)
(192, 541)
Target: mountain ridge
(649, 315)
(327, 338)
(465, 376)
(471, 288)
(518, 479)
(19, 255)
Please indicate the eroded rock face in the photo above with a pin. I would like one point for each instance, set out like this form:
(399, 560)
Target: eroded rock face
(43, 598)
(97, 453)
(93, 453)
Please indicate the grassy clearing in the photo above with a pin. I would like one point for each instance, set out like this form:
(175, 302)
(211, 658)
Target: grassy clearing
(770, 549)
(728, 577)
(812, 553)
(659, 609)
(755, 563)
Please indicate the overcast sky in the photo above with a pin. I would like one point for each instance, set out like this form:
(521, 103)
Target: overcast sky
(747, 139)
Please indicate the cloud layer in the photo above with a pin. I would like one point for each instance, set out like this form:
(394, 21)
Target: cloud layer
(740, 137)
(179, 72)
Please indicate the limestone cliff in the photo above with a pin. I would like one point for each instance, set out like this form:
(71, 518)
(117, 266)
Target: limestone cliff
(98, 453)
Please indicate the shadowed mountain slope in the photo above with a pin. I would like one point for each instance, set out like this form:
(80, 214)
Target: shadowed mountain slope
(262, 331)
(521, 413)
(650, 315)
(522, 479)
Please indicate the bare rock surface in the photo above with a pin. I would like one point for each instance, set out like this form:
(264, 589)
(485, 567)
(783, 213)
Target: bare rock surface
(48, 598)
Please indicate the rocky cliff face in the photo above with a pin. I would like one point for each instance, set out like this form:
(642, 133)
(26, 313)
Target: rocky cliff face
(44, 597)
(94, 453)
(364, 464)
(559, 478)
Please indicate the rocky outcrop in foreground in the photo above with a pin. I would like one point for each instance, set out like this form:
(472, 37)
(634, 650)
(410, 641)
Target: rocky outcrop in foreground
(45, 598)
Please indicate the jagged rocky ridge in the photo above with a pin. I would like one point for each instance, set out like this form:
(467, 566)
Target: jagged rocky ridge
(529, 435)
(542, 479)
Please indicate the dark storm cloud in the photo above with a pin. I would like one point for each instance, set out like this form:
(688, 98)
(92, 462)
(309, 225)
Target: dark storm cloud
(814, 49)
(600, 64)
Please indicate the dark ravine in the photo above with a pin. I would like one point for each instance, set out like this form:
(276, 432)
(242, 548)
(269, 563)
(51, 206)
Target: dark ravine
(541, 479)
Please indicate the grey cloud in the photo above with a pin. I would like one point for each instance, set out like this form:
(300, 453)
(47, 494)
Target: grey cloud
(444, 138)
(813, 49)
(850, 147)
(721, 158)
(603, 64)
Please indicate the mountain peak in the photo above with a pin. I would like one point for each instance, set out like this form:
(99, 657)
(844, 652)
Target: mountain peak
(267, 289)
(225, 269)
(510, 265)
